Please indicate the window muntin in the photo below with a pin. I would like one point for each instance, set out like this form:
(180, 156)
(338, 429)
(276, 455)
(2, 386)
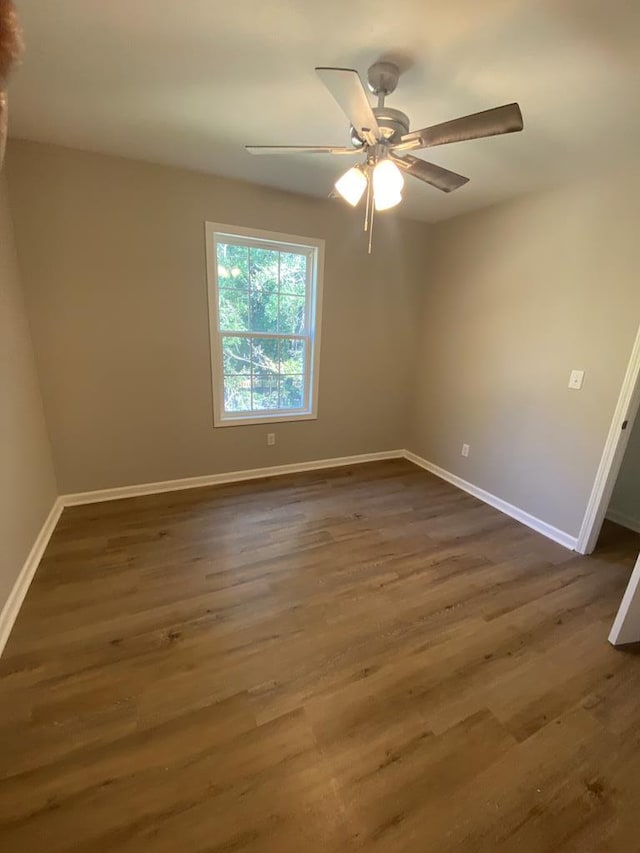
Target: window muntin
(264, 321)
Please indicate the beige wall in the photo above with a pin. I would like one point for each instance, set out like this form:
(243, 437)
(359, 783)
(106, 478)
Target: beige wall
(27, 483)
(517, 296)
(624, 506)
(113, 263)
(500, 305)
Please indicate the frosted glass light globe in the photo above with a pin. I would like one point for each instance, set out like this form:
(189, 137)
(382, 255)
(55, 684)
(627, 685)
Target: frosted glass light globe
(352, 185)
(387, 185)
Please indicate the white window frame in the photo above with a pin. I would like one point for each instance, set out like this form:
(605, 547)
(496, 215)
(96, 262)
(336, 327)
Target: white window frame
(314, 249)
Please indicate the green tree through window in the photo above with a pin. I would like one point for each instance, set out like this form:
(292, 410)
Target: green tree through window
(263, 301)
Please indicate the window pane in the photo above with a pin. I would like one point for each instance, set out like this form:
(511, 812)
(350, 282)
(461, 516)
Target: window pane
(233, 310)
(264, 310)
(236, 355)
(237, 393)
(233, 265)
(265, 392)
(291, 392)
(293, 273)
(291, 315)
(292, 356)
(263, 270)
(264, 295)
(264, 358)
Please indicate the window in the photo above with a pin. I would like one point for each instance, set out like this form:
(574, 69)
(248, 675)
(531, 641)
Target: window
(264, 316)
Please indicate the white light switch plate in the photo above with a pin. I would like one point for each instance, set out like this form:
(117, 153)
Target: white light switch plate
(575, 380)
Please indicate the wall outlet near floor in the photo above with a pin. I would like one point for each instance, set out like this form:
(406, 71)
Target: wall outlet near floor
(575, 380)
(271, 438)
(465, 449)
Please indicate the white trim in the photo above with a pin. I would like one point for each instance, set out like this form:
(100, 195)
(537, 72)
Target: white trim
(12, 605)
(626, 625)
(623, 519)
(616, 444)
(16, 597)
(142, 489)
(313, 248)
(220, 479)
(249, 419)
(497, 503)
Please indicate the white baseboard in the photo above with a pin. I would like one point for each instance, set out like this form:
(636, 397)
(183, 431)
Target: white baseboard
(219, 479)
(623, 519)
(13, 603)
(11, 608)
(142, 489)
(497, 503)
(16, 597)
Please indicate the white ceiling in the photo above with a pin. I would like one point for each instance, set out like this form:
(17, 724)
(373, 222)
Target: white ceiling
(189, 83)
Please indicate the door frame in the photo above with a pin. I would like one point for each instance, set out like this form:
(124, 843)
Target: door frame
(613, 453)
(626, 625)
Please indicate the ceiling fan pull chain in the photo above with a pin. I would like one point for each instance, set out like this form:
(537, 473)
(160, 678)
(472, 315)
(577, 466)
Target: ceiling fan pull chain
(371, 226)
(366, 207)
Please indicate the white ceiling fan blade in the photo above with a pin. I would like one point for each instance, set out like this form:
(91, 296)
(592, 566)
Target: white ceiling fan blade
(442, 179)
(346, 87)
(300, 149)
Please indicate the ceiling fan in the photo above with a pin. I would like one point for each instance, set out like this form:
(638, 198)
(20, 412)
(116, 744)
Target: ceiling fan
(382, 135)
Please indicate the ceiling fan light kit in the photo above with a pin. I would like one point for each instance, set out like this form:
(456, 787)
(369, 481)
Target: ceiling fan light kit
(383, 136)
(352, 184)
(387, 184)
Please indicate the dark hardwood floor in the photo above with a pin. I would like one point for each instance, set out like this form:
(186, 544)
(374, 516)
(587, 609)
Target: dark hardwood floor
(358, 659)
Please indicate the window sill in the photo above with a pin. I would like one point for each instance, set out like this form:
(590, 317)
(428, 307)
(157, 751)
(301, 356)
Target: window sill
(276, 418)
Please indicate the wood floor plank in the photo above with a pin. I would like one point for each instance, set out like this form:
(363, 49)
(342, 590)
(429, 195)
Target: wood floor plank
(357, 659)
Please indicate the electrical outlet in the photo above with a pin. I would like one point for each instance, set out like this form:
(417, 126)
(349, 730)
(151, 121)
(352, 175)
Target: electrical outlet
(271, 438)
(465, 449)
(575, 380)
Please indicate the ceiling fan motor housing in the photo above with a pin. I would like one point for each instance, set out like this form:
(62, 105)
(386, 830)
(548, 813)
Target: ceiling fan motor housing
(393, 124)
(382, 78)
